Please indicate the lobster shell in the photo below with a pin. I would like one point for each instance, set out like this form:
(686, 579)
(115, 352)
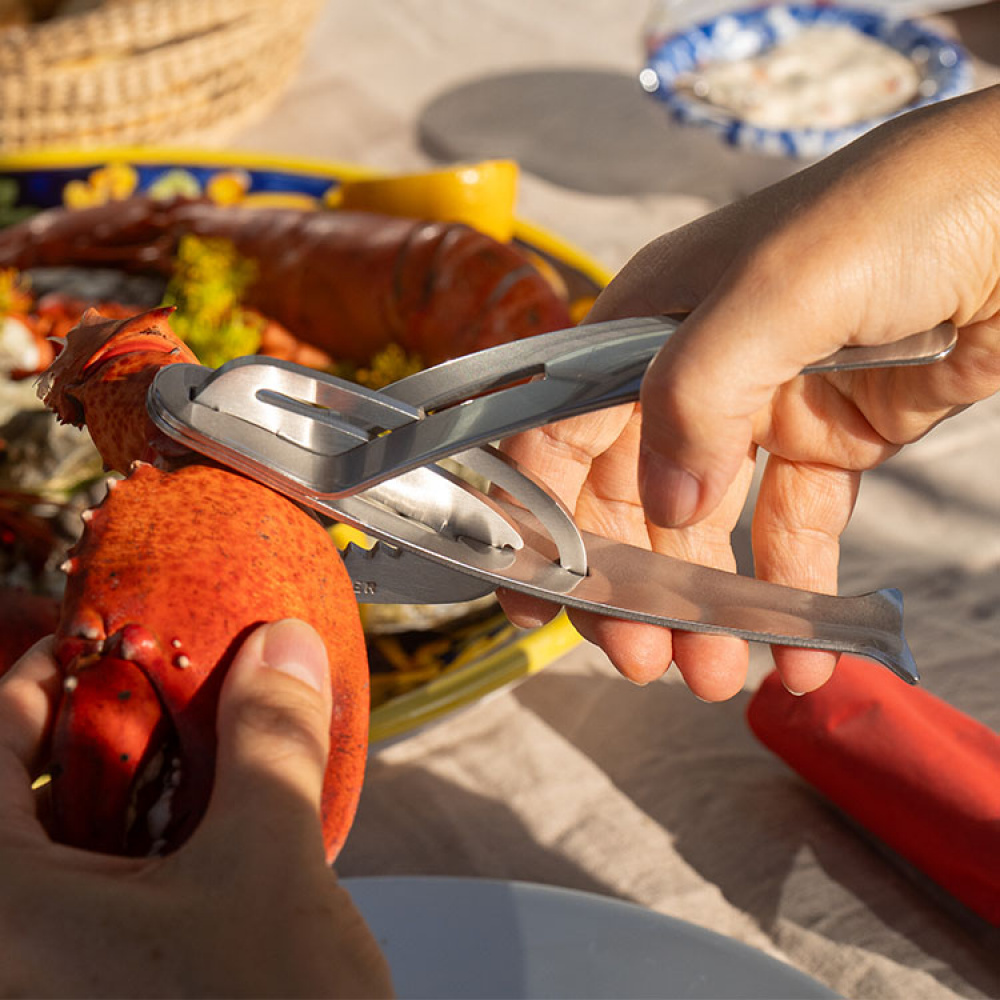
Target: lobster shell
(172, 571)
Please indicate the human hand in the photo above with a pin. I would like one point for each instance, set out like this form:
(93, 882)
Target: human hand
(247, 907)
(894, 234)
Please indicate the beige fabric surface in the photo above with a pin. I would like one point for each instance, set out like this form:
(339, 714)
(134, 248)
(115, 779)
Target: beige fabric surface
(576, 778)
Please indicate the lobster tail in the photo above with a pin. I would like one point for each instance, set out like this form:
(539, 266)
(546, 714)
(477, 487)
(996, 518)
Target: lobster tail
(347, 283)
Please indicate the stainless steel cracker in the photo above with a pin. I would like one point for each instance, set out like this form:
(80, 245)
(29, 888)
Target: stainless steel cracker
(368, 458)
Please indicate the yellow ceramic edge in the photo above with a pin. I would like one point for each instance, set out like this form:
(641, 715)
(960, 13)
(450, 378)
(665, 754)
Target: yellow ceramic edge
(546, 241)
(441, 696)
(175, 156)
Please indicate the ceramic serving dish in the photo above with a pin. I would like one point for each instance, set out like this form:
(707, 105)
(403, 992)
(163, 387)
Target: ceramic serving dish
(683, 68)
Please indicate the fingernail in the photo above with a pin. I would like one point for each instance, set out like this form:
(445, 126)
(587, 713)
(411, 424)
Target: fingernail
(669, 493)
(294, 648)
(798, 694)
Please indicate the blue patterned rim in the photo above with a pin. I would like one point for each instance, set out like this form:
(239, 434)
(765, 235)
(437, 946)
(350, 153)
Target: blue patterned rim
(945, 68)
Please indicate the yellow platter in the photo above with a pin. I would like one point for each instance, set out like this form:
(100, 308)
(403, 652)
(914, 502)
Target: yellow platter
(493, 655)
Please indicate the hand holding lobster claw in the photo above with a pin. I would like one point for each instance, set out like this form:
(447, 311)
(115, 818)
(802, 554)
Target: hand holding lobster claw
(162, 587)
(193, 923)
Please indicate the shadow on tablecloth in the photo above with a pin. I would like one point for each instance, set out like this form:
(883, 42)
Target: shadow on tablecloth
(589, 130)
(752, 828)
(413, 822)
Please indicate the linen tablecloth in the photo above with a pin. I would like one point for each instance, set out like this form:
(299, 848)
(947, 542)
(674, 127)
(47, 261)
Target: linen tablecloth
(575, 777)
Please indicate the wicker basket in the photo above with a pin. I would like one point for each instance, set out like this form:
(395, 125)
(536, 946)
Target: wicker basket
(148, 71)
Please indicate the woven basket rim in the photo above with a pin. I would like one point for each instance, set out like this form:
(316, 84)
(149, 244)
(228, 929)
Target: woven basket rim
(139, 13)
(144, 70)
(138, 26)
(166, 66)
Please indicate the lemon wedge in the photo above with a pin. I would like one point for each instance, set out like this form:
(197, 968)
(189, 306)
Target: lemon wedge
(482, 195)
(343, 535)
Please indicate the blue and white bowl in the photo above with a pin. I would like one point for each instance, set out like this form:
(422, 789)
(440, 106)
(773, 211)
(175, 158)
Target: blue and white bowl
(943, 65)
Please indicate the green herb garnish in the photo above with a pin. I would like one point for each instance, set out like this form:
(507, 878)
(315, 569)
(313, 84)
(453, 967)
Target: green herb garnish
(207, 286)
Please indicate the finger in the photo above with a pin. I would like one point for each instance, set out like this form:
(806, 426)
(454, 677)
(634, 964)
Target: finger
(722, 365)
(608, 504)
(903, 404)
(561, 456)
(642, 653)
(605, 499)
(525, 611)
(714, 667)
(273, 724)
(29, 693)
(815, 419)
(856, 420)
(802, 509)
(702, 392)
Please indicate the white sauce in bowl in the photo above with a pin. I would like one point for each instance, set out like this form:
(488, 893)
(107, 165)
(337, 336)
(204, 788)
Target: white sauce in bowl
(821, 77)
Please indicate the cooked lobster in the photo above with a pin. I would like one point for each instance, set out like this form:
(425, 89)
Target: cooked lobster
(349, 283)
(173, 569)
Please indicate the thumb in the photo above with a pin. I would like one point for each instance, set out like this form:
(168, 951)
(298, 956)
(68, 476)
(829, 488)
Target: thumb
(273, 741)
(693, 445)
(712, 383)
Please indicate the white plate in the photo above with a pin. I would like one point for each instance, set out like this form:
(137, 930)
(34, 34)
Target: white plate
(462, 937)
